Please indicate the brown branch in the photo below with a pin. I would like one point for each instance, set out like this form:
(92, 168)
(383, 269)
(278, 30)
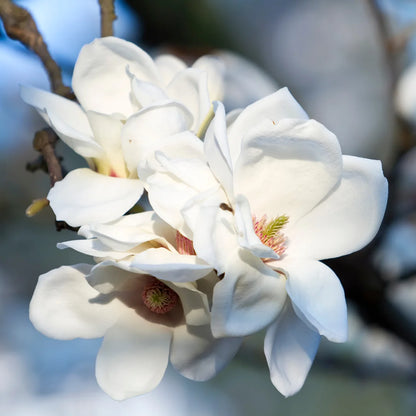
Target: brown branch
(108, 16)
(19, 25)
(44, 142)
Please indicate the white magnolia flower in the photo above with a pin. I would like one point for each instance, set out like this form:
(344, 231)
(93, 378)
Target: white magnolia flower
(145, 323)
(120, 89)
(280, 198)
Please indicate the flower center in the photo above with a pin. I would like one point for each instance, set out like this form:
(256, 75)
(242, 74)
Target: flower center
(158, 297)
(184, 245)
(270, 232)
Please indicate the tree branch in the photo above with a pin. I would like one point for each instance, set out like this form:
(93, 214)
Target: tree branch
(108, 16)
(19, 25)
(44, 142)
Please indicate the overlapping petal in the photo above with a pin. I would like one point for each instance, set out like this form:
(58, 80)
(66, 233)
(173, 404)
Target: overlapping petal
(290, 347)
(85, 196)
(64, 306)
(168, 265)
(132, 230)
(248, 298)
(133, 356)
(317, 296)
(142, 131)
(273, 108)
(100, 80)
(295, 163)
(348, 218)
(197, 355)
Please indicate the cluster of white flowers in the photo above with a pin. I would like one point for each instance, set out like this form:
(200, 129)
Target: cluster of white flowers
(245, 204)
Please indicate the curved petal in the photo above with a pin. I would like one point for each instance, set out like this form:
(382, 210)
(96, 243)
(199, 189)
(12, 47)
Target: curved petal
(287, 168)
(85, 196)
(290, 347)
(131, 230)
(146, 93)
(217, 149)
(248, 298)
(197, 355)
(66, 118)
(100, 80)
(93, 247)
(65, 306)
(167, 265)
(169, 182)
(142, 131)
(190, 87)
(63, 108)
(317, 297)
(106, 277)
(215, 69)
(194, 303)
(168, 66)
(348, 218)
(133, 357)
(274, 108)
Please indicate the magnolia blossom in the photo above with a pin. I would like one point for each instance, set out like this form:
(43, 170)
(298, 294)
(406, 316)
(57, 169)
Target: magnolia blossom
(120, 89)
(145, 323)
(144, 319)
(267, 198)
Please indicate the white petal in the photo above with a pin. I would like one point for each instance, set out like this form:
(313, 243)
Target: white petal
(197, 355)
(106, 277)
(215, 69)
(287, 168)
(63, 108)
(107, 132)
(348, 218)
(131, 230)
(169, 66)
(142, 131)
(317, 297)
(93, 247)
(212, 228)
(190, 87)
(217, 149)
(66, 118)
(169, 182)
(147, 93)
(133, 357)
(100, 80)
(167, 265)
(274, 108)
(65, 306)
(290, 347)
(85, 196)
(194, 303)
(248, 298)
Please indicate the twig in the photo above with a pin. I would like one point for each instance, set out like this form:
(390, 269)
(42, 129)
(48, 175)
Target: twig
(20, 25)
(108, 16)
(44, 142)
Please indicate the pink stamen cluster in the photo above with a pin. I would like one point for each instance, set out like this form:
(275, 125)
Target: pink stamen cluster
(158, 297)
(276, 241)
(184, 245)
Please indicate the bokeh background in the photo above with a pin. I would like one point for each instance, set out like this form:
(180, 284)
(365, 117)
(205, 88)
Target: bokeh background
(342, 60)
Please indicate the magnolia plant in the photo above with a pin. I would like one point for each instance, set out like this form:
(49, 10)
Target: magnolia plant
(244, 207)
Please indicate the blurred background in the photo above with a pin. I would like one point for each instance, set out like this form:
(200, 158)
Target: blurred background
(350, 65)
